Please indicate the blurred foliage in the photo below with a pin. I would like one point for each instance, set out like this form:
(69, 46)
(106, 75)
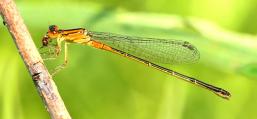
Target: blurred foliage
(101, 85)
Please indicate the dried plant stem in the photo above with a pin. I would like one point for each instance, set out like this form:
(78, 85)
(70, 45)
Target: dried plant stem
(28, 51)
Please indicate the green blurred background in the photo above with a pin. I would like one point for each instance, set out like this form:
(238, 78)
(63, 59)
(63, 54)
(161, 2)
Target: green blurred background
(100, 85)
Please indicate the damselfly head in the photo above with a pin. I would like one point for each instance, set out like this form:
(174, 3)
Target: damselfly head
(52, 33)
(53, 29)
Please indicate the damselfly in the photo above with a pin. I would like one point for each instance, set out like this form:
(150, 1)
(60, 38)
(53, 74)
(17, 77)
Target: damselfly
(148, 51)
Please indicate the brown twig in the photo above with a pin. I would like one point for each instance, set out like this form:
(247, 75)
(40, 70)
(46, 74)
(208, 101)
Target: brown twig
(28, 51)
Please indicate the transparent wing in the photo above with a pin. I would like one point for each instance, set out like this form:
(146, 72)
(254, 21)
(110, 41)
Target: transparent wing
(155, 50)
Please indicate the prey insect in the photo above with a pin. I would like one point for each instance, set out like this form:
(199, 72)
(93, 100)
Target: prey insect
(148, 51)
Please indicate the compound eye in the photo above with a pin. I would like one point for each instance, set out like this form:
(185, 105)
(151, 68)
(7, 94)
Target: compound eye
(53, 28)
